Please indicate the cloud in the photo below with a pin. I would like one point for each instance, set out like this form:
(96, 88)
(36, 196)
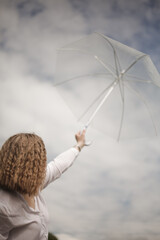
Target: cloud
(108, 191)
(112, 190)
(32, 105)
(29, 8)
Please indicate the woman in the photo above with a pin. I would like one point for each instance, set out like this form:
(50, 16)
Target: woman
(24, 173)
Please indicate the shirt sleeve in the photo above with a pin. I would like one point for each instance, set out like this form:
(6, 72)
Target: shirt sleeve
(59, 165)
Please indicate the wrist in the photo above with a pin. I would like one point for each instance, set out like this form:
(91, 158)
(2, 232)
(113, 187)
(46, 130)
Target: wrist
(79, 146)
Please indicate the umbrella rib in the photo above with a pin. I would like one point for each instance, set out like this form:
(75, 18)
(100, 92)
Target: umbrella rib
(115, 53)
(146, 105)
(104, 65)
(137, 79)
(95, 56)
(122, 117)
(120, 87)
(115, 59)
(133, 63)
(82, 76)
(95, 100)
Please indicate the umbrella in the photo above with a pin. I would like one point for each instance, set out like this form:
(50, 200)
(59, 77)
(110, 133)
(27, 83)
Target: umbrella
(110, 86)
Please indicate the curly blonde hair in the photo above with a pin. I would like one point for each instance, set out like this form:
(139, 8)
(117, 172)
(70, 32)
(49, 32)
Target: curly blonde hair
(23, 163)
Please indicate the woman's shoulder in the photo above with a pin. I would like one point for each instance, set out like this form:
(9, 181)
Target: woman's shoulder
(10, 213)
(9, 203)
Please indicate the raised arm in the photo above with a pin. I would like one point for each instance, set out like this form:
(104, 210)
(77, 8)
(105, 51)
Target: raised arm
(63, 161)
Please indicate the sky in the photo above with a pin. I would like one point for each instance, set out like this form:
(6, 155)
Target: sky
(112, 190)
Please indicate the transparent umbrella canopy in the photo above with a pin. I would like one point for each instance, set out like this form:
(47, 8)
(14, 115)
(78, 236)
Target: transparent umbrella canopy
(110, 86)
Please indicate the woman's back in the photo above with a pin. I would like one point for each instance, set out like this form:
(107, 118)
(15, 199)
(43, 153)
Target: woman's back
(18, 219)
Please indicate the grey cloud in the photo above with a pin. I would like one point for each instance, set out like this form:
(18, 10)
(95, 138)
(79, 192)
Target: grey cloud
(112, 190)
(29, 8)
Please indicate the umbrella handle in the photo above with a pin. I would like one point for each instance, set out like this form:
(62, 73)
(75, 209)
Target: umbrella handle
(97, 109)
(88, 143)
(101, 103)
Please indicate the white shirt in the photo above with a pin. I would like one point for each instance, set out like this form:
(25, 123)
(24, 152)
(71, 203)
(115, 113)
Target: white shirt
(19, 221)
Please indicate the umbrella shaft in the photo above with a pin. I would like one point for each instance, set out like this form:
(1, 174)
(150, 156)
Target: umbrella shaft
(100, 105)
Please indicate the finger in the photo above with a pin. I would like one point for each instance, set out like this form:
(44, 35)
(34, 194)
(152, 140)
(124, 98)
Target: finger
(84, 131)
